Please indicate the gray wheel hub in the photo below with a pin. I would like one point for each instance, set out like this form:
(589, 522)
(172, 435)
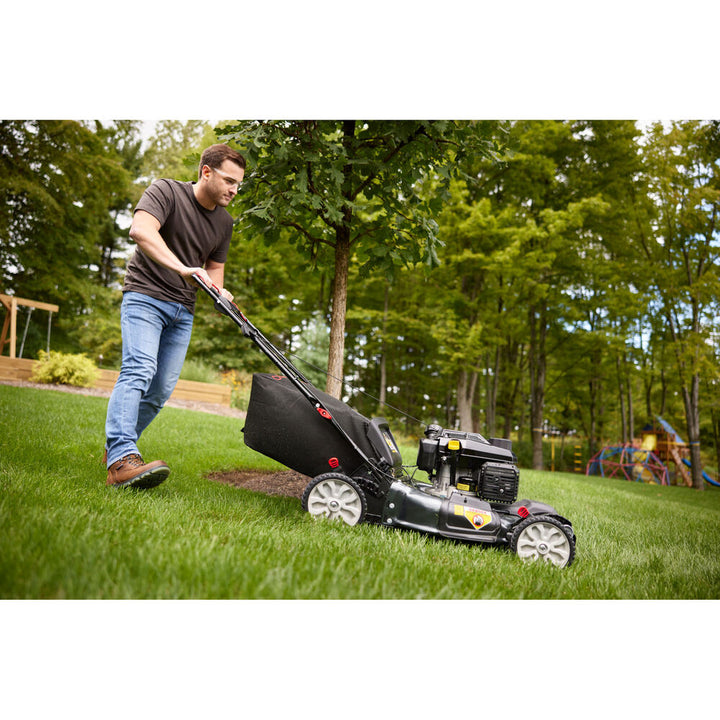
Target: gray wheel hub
(336, 500)
(544, 541)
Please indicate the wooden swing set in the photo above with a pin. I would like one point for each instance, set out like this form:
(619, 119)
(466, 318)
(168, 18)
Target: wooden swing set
(11, 304)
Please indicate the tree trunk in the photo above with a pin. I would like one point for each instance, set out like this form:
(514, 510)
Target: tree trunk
(631, 410)
(716, 436)
(648, 399)
(690, 395)
(383, 353)
(592, 423)
(715, 423)
(595, 393)
(691, 399)
(492, 393)
(663, 393)
(621, 396)
(465, 395)
(339, 309)
(340, 285)
(538, 332)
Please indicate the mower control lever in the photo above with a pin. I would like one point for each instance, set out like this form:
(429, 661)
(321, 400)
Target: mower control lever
(226, 307)
(222, 304)
(212, 289)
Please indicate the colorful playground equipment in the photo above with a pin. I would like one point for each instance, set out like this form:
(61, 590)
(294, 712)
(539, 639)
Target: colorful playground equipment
(635, 464)
(660, 457)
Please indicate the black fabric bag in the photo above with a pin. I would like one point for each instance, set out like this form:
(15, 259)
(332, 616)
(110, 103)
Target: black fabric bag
(282, 424)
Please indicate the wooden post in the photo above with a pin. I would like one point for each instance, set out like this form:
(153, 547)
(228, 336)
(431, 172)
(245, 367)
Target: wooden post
(10, 323)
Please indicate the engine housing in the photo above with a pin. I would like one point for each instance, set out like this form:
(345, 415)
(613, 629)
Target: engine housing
(468, 463)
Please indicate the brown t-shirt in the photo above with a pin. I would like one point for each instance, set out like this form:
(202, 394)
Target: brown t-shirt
(194, 233)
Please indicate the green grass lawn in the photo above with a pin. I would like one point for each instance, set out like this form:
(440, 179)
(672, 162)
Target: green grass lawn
(63, 534)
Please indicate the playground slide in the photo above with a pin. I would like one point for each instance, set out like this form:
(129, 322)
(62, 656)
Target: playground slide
(705, 475)
(669, 430)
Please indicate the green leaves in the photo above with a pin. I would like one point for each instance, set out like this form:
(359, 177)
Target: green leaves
(365, 177)
(60, 182)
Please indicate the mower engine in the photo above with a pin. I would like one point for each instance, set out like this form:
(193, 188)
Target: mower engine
(471, 495)
(468, 463)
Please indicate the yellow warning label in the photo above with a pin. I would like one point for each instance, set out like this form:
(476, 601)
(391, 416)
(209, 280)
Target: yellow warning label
(390, 443)
(477, 518)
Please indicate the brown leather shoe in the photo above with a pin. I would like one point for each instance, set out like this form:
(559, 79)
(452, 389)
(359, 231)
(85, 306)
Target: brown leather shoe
(133, 471)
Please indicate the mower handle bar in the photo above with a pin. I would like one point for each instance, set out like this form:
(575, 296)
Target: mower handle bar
(222, 304)
(229, 308)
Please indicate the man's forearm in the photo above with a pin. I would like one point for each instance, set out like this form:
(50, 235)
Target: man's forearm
(217, 275)
(157, 250)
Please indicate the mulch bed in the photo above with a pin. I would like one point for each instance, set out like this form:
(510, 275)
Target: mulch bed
(288, 482)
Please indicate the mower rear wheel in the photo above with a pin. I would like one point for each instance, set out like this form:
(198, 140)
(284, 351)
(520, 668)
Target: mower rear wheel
(543, 537)
(335, 496)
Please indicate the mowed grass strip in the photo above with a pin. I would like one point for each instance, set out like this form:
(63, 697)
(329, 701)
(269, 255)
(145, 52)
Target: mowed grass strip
(63, 534)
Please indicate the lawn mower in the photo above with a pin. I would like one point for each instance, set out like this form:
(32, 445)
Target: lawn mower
(357, 474)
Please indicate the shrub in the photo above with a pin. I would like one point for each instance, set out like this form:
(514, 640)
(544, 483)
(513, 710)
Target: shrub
(240, 384)
(64, 369)
(199, 371)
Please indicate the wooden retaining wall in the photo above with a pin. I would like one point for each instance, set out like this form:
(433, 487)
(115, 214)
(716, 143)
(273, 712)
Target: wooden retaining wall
(21, 369)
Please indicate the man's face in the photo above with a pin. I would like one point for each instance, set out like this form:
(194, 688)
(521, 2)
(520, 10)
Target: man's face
(223, 182)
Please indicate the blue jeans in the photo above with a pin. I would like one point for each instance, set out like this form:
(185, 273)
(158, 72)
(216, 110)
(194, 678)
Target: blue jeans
(155, 338)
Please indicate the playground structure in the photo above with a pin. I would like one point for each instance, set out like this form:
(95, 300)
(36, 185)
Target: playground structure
(634, 464)
(11, 304)
(660, 457)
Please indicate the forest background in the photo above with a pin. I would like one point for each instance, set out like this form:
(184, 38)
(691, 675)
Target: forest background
(531, 279)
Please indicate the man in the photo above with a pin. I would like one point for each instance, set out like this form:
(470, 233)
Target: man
(180, 228)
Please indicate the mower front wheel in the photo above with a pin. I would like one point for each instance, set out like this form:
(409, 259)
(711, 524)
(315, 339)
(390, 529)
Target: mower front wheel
(335, 496)
(543, 537)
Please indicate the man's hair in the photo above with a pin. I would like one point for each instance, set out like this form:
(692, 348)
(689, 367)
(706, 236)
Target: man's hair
(215, 155)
